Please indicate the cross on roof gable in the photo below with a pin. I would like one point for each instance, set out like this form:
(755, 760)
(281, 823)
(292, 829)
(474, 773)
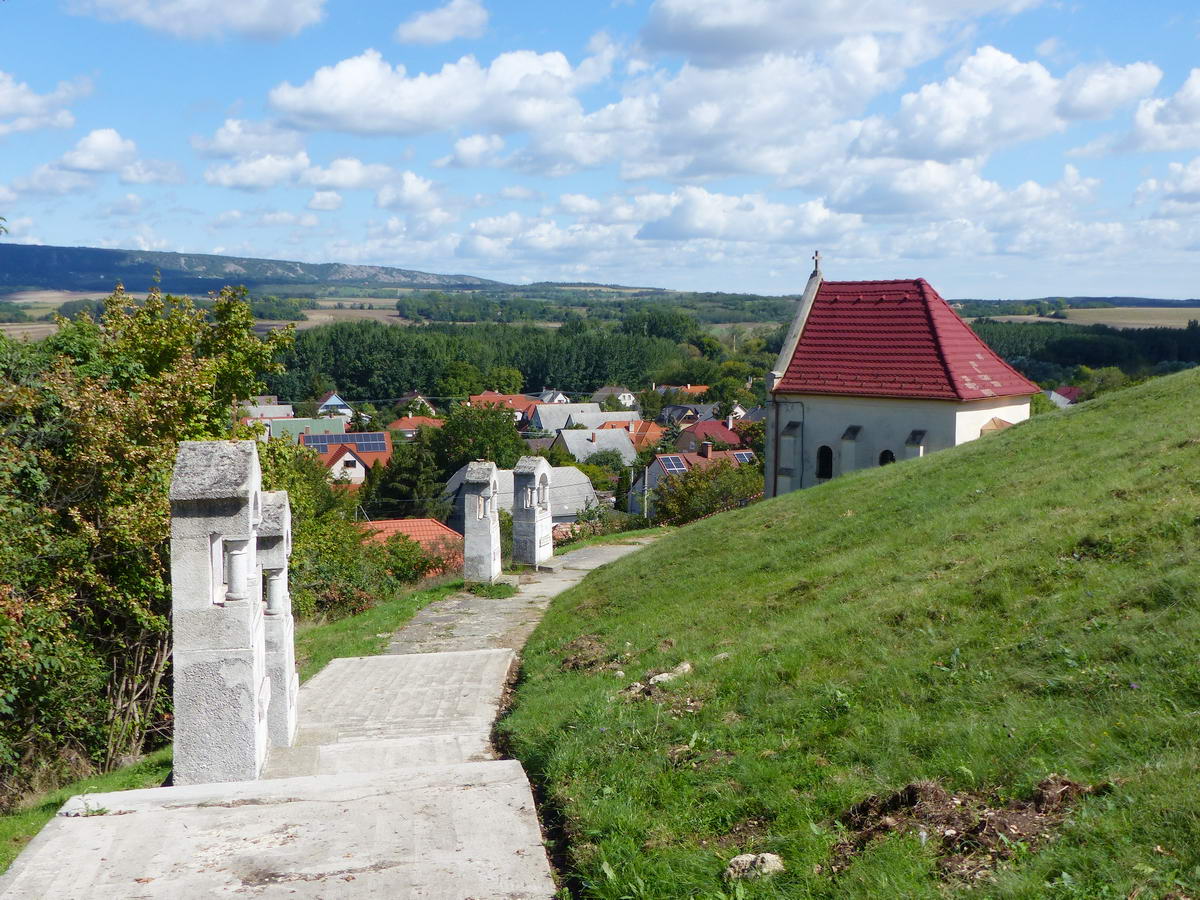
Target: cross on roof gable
(894, 339)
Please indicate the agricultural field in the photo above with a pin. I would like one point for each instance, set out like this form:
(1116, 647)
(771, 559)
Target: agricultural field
(1120, 317)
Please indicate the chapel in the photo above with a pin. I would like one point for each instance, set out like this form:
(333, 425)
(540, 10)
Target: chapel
(872, 372)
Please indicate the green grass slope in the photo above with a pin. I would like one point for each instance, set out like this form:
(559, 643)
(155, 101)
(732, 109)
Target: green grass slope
(984, 617)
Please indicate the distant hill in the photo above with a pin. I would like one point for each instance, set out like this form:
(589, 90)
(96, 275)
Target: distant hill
(27, 267)
(1083, 302)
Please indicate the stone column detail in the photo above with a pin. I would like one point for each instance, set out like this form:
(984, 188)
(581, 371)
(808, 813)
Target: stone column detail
(533, 519)
(274, 549)
(481, 523)
(222, 692)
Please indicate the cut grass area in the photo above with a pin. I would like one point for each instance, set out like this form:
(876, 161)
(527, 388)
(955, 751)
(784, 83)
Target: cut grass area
(365, 634)
(619, 537)
(984, 617)
(18, 828)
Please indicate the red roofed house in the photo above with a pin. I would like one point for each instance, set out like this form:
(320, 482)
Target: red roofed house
(643, 434)
(711, 430)
(522, 407)
(408, 426)
(349, 457)
(876, 371)
(435, 538)
(665, 465)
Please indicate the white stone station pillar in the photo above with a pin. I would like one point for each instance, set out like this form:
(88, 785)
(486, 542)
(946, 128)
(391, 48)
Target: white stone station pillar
(274, 548)
(533, 520)
(222, 691)
(481, 523)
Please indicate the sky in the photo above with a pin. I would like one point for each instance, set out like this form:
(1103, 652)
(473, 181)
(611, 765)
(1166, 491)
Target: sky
(998, 148)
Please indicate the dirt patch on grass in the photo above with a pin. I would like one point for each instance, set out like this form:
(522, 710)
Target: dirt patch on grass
(585, 653)
(971, 834)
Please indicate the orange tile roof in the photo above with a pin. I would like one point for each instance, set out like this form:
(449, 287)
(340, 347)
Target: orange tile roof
(412, 423)
(516, 402)
(432, 535)
(643, 434)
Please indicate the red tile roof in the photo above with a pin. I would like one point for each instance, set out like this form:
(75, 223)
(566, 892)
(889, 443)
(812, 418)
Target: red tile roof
(412, 423)
(516, 402)
(894, 339)
(432, 535)
(710, 430)
(1069, 392)
(643, 434)
(694, 390)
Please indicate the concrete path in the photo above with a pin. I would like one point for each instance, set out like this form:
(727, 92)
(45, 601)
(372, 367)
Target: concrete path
(391, 790)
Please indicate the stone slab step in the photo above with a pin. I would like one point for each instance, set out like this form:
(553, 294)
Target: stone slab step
(379, 756)
(440, 833)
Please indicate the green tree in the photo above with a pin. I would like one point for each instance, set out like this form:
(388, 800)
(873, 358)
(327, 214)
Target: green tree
(607, 459)
(459, 380)
(472, 432)
(411, 486)
(702, 492)
(611, 404)
(506, 380)
(624, 484)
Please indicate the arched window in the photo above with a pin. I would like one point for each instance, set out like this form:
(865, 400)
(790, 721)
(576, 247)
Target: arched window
(543, 492)
(824, 462)
(887, 456)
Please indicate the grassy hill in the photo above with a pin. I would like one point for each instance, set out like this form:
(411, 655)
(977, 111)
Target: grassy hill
(984, 618)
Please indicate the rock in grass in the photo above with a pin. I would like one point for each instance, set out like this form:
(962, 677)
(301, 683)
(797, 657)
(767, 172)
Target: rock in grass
(682, 669)
(753, 865)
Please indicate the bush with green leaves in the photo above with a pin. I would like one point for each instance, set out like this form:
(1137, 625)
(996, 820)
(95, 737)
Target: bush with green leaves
(701, 492)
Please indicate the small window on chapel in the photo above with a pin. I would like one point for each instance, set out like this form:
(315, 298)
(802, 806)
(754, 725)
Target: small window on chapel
(886, 457)
(824, 462)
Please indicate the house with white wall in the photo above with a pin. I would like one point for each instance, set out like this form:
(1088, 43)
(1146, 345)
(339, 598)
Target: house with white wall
(872, 372)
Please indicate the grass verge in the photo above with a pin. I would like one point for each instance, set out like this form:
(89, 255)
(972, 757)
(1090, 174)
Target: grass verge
(1025, 605)
(619, 537)
(365, 634)
(18, 828)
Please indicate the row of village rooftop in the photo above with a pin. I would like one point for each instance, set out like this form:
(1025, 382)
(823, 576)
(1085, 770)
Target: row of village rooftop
(545, 420)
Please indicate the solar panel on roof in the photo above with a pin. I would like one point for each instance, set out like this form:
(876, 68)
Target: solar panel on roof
(673, 464)
(364, 442)
(743, 456)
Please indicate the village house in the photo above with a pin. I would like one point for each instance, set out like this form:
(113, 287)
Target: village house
(414, 404)
(692, 390)
(571, 493)
(624, 396)
(555, 416)
(434, 538)
(331, 404)
(522, 407)
(666, 465)
(582, 443)
(292, 429)
(549, 395)
(349, 457)
(643, 434)
(876, 371)
(711, 431)
(265, 407)
(600, 419)
(406, 428)
(1063, 396)
(685, 414)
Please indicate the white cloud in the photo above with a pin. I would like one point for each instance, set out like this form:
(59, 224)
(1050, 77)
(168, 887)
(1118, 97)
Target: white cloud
(52, 179)
(210, 18)
(277, 218)
(474, 151)
(7, 194)
(366, 95)
(129, 205)
(1095, 92)
(102, 150)
(518, 192)
(457, 19)
(994, 100)
(1179, 191)
(724, 31)
(409, 191)
(152, 171)
(1169, 124)
(240, 138)
(697, 213)
(258, 173)
(23, 109)
(326, 201)
(347, 173)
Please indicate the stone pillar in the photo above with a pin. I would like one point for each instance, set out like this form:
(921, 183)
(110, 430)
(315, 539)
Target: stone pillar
(481, 523)
(533, 520)
(274, 548)
(222, 692)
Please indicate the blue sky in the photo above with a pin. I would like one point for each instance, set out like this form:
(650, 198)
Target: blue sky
(999, 148)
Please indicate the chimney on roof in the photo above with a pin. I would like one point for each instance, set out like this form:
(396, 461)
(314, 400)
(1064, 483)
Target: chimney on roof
(592, 437)
(689, 387)
(308, 429)
(729, 421)
(706, 449)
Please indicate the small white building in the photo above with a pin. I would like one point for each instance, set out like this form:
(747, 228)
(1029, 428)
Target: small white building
(872, 372)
